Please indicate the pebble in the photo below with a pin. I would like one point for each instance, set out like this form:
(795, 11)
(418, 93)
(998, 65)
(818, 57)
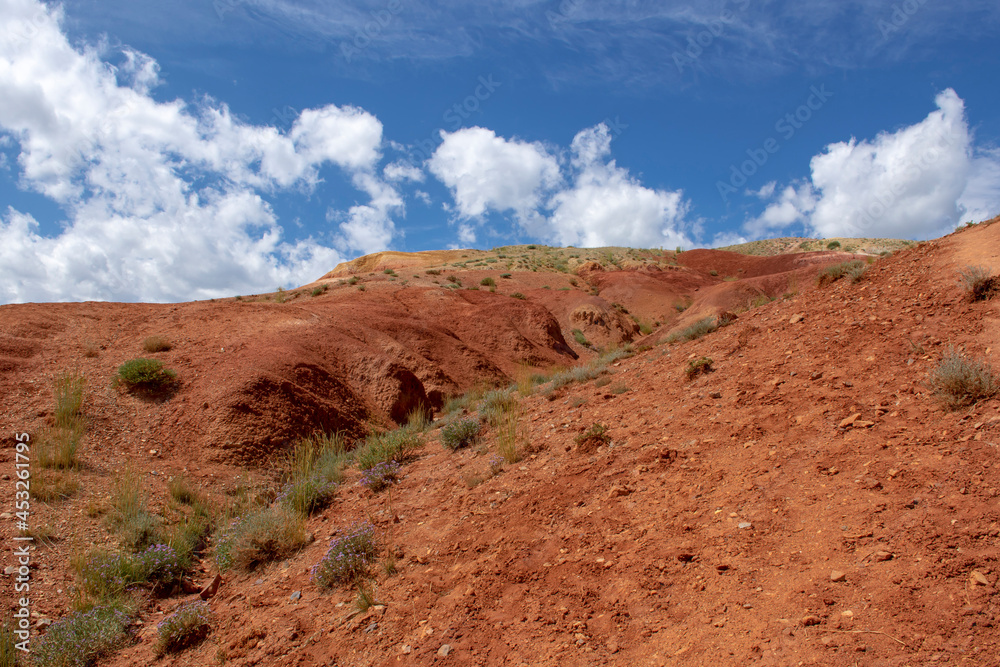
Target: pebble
(745, 524)
(371, 628)
(406, 650)
(444, 650)
(258, 582)
(837, 576)
(297, 595)
(810, 620)
(978, 577)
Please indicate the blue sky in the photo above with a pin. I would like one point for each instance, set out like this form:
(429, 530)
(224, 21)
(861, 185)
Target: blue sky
(194, 149)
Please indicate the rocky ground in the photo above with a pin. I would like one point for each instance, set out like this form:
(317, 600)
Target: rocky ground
(808, 501)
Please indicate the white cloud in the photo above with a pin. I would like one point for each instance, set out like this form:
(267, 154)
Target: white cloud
(161, 197)
(602, 205)
(400, 171)
(917, 182)
(489, 173)
(606, 206)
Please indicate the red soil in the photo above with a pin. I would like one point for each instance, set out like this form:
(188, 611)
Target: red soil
(713, 529)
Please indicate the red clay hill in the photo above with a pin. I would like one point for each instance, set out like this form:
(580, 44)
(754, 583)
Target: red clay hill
(807, 501)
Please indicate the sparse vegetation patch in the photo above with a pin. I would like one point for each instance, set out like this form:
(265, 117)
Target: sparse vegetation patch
(186, 627)
(959, 381)
(460, 433)
(698, 367)
(700, 328)
(979, 284)
(83, 637)
(146, 375)
(348, 558)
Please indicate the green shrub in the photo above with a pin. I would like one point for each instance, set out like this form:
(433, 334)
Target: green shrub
(453, 279)
(517, 295)
(505, 275)
(80, 639)
(68, 390)
(354, 280)
(833, 245)
(349, 557)
(593, 437)
(389, 272)
(186, 627)
(697, 367)
(380, 476)
(107, 575)
(460, 433)
(389, 446)
(488, 282)
(433, 272)
(580, 338)
(146, 375)
(320, 289)
(959, 381)
(979, 285)
(156, 344)
(700, 328)
(258, 538)
(314, 470)
(854, 269)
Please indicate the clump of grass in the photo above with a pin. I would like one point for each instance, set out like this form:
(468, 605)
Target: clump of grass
(259, 538)
(453, 279)
(619, 389)
(50, 487)
(518, 295)
(388, 446)
(82, 638)
(488, 282)
(507, 422)
(138, 527)
(389, 272)
(959, 381)
(8, 649)
(418, 420)
(58, 448)
(700, 328)
(853, 269)
(580, 338)
(380, 476)
(68, 390)
(314, 470)
(433, 272)
(460, 433)
(979, 285)
(156, 344)
(354, 280)
(698, 367)
(146, 375)
(320, 289)
(186, 627)
(181, 491)
(348, 558)
(495, 404)
(833, 245)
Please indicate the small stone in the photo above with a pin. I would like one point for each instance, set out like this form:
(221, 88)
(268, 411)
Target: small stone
(444, 650)
(715, 394)
(743, 525)
(10, 569)
(212, 588)
(406, 650)
(371, 628)
(810, 620)
(296, 596)
(612, 646)
(6, 515)
(837, 576)
(978, 577)
(849, 421)
(796, 318)
(881, 556)
(43, 623)
(258, 582)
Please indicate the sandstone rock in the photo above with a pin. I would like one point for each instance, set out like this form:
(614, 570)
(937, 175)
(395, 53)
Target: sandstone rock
(837, 576)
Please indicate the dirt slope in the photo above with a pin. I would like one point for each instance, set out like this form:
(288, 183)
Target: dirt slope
(808, 502)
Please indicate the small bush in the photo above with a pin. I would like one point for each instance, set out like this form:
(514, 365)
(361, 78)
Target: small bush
(354, 280)
(853, 269)
(959, 381)
(697, 330)
(348, 558)
(258, 538)
(517, 295)
(979, 285)
(580, 338)
(453, 279)
(697, 367)
(156, 344)
(68, 390)
(594, 437)
(319, 289)
(833, 245)
(315, 469)
(460, 433)
(146, 375)
(380, 476)
(106, 575)
(645, 328)
(138, 527)
(79, 639)
(186, 627)
(488, 282)
(433, 272)
(389, 446)
(389, 272)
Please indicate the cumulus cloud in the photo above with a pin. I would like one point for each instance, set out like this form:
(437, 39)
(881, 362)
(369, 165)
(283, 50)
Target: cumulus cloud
(161, 198)
(583, 199)
(489, 173)
(917, 182)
